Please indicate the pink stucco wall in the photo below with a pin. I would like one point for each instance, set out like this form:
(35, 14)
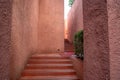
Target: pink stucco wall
(114, 38)
(51, 26)
(96, 42)
(75, 19)
(24, 33)
(5, 39)
(37, 26)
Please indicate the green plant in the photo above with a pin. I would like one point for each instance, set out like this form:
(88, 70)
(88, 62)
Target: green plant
(71, 3)
(78, 44)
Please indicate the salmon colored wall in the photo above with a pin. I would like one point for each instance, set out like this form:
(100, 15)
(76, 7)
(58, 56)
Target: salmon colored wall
(24, 33)
(31, 18)
(51, 26)
(75, 19)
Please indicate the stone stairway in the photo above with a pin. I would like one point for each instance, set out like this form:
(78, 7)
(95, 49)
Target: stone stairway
(49, 67)
(69, 47)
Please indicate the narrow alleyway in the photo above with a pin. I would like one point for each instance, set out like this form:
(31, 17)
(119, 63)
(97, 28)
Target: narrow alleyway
(37, 26)
(49, 67)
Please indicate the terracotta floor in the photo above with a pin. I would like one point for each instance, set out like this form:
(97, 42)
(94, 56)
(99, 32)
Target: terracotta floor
(49, 67)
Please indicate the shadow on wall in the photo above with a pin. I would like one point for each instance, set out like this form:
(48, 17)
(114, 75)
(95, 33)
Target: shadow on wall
(75, 19)
(24, 33)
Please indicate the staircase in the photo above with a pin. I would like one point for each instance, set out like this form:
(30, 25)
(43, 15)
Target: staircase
(49, 67)
(68, 47)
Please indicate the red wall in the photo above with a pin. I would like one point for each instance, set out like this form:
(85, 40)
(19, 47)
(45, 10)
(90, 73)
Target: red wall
(24, 33)
(96, 40)
(5, 39)
(37, 26)
(75, 19)
(51, 26)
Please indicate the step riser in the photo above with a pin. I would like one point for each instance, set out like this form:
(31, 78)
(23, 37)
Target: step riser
(45, 67)
(50, 74)
(48, 58)
(49, 62)
(49, 78)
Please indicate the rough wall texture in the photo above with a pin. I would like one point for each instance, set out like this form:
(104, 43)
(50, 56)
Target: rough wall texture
(5, 33)
(78, 66)
(75, 19)
(51, 26)
(24, 33)
(114, 38)
(96, 44)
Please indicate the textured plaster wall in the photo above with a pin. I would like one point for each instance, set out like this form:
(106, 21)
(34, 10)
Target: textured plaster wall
(96, 44)
(75, 19)
(5, 39)
(114, 38)
(24, 33)
(51, 26)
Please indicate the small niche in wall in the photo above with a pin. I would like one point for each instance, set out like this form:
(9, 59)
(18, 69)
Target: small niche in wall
(58, 50)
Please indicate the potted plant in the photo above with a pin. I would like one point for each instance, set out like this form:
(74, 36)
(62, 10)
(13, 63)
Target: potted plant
(78, 44)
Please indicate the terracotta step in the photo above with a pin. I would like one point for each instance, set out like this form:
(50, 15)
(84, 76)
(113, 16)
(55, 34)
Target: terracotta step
(49, 67)
(47, 57)
(49, 70)
(56, 66)
(49, 64)
(46, 62)
(50, 55)
(47, 73)
(69, 77)
(49, 60)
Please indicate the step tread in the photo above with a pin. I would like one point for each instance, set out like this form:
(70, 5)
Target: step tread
(48, 73)
(49, 64)
(49, 67)
(49, 60)
(47, 57)
(51, 55)
(49, 77)
(50, 70)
